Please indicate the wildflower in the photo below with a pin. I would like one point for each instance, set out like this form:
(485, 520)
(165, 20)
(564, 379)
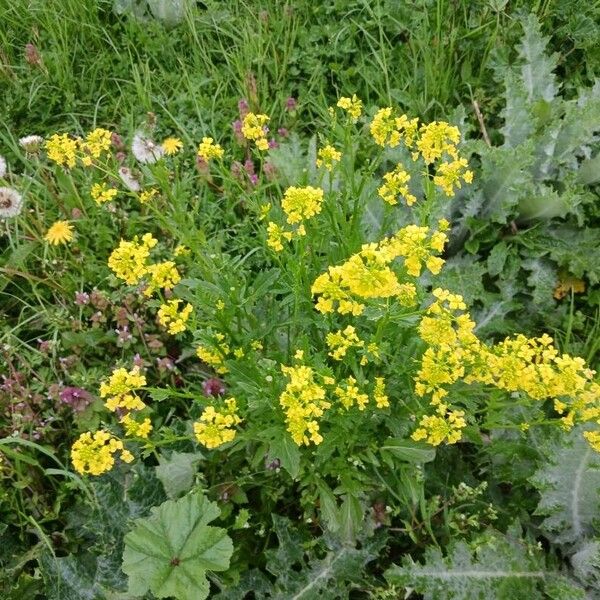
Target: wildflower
(349, 394)
(61, 149)
(303, 401)
(215, 358)
(243, 107)
(82, 298)
(3, 167)
(129, 181)
(436, 139)
(120, 387)
(341, 341)
(384, 129)
(128, 260)
(76, 398)
(291, 104)
(163, 275)
(173, 319)
(33, 56)
(566, 285)
(438, 428)
(216, 428)
(254, 128)
(353, 106)
(213, 387)
(181, 250)
(396, 184)
(101, 193)
(275, 236)
(593, 439)
(148, 195)
(134, 428)
(94, 454)
(301, 203)
(381, 399)
(11, 203)
(96, 142)
(59, 232)
(31, 143)
(172, 145)
(326, 156)
(449, 174)
(208, 150)
(145, 150)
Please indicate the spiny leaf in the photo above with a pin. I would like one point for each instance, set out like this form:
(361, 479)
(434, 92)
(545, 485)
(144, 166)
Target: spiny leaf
(569, 486)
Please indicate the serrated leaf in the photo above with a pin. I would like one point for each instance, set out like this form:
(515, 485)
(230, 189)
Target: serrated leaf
(518, 120)
(569, 488)
(497, 258)
(169, 552)
(462, 275)
(586, 564)
(177, 472)
(288, 453)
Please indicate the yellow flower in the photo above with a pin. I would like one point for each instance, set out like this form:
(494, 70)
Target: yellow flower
(326, 156)
(128, 260)
(275, 235)
(216, 427)
(349, 395)
(62, 149)
(118, 389)
(59, 232)
(148, 195)
(94, 454)
(389, 130)
(134, 428)
(396, 184)
(449, 174)
(436, 139)
(181, 250)
(173, 319)
(435, 429)
(95, 144)
(208, 150)
(301, 203)
(353, 106)
(379, 394)
(341, 341)
(101, 193)
(172, 145)
(163, 275)
(254, 128)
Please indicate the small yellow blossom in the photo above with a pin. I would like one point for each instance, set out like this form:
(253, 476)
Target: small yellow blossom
(62, 150)
(163, 276)
(95, 144)
(349, 395)
(275, 235)
(353, 106)
(302, 203)
(256, 345)
(216, 427)
(94, 454)
(264, 211)
(339, 342)
(135, 428)
(449, 174)
(59, 232)
(436, 139)
(326, 156)
(172, 145)
(436, 429)
(120, 387)
(381, 399)
(147, 195)
(208, 150)
(172, 318)
(128, 260)
(215, 358)
(101, 193)
(181, 250)
(254, 128)
(239, 353)
(396, 184)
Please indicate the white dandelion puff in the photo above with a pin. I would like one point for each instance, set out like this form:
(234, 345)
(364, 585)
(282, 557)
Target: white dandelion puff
(129, 181)
(11, 203)
(31, 143)
(145, 150)
(3, 167)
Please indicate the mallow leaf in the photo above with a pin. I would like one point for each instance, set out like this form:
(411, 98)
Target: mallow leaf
(170, 552)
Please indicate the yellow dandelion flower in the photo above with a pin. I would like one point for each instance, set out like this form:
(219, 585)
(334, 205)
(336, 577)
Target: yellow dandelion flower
(59, 232)
(172, 145)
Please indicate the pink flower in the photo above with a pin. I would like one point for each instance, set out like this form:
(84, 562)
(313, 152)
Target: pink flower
(213, 387)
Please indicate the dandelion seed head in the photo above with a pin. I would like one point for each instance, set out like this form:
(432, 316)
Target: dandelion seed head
(11, 203)
(145, 150)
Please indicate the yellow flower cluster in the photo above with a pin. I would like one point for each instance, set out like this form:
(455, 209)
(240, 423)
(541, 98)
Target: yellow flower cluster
(94, 454)
(101, 193)
(381, 399)
(208, 150)
(449, 174)
(339, 342)
(128, 260)
(531, 366)
(147, 195)
(62, 150)
(353, 106)
(301, 203)
(216, 427)
(389, 130)
(437, 139)
(172, 318)
(303, 401)
(254, 129)
(163, 275)
(215, 358)
(135, 428)
(326, 156)
(94, 145)
(349, 394)
(438, 428)
(120, 387)
(396, 184)
(275, 236)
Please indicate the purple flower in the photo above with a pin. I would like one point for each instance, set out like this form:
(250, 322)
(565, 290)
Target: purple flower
(254, 179)
(273, 144)
(283, 132)
(243, 107)
(82, 298)
(213, 387)
(165, 364)
(291, 104)
(76, 398)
